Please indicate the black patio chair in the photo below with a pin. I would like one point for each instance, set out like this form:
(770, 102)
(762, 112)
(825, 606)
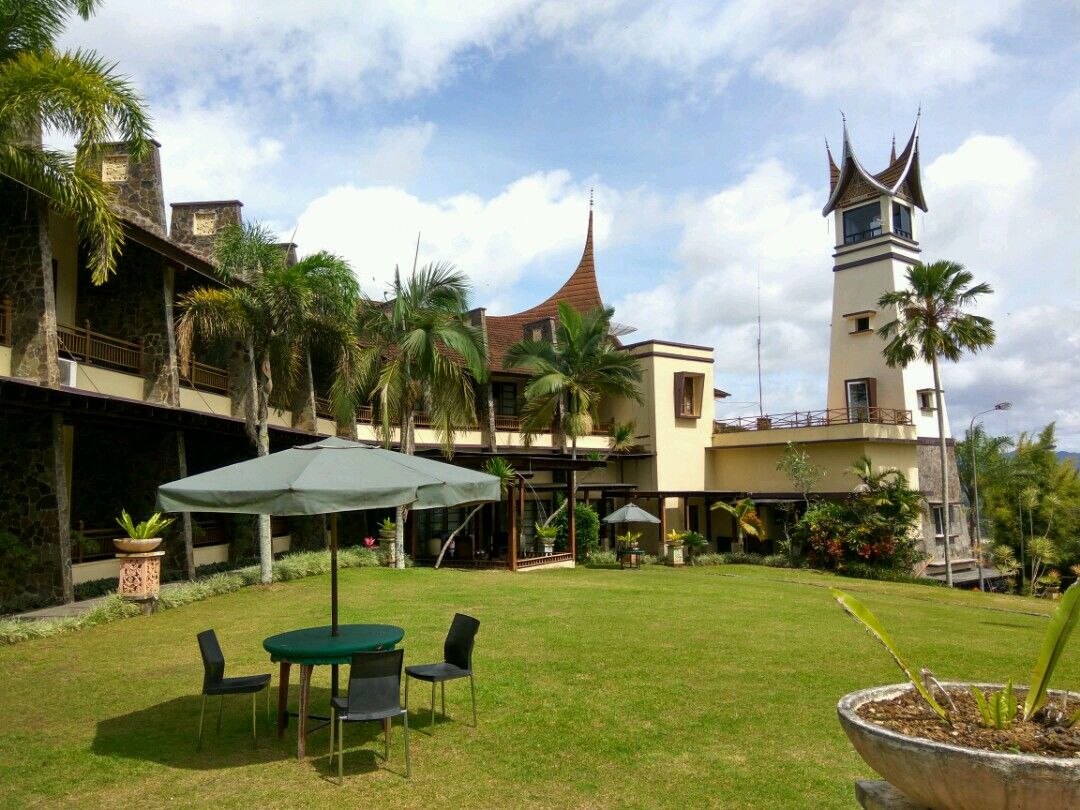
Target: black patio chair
(457, 663)
(374, 694)
(215, 682)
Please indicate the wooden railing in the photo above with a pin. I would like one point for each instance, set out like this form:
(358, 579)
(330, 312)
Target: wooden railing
(207, 378)
(82, 343)
(511, 423)
(5, 322)
(601, 428)
(88, 545)
(801, 419)
(325, 410)
(542, 559)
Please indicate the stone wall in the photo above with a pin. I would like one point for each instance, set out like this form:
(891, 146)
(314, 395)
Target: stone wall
(195, 225)
(33, 510)
(137, 184)
(930, 485)
(26, 277)
(136, 305)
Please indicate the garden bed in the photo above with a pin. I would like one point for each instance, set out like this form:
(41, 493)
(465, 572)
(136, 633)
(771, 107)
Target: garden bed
(908, 714)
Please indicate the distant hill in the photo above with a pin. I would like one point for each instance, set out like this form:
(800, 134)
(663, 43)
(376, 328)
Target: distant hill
(1073, 456)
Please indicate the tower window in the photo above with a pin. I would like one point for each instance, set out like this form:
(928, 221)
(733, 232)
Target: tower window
(901, 220)
(862, 223)
(926, 399)
(862, 324)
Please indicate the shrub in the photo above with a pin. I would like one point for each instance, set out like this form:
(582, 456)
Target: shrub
(711, 558)
(777, 561)
(602, 559)
(586, 527)
(859, 570)
(742, 558)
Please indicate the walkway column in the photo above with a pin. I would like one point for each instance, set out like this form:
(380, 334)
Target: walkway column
(708, 519)
(571, 527)
(660, 550)
(511, 520)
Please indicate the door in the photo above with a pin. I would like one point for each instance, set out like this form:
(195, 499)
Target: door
(858, 400)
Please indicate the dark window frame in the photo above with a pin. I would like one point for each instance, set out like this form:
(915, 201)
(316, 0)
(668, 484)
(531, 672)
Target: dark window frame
(857, 233)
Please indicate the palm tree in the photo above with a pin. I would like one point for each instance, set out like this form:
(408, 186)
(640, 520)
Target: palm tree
(276, 313)
(72, 93)
(420, 352)
(746, 519)
(571, 375)
(932, 324)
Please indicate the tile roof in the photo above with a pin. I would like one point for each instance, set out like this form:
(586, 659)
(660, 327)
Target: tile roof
(901, 176)
(580, 291)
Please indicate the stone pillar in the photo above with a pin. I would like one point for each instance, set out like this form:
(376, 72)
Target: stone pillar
(160, 366)
(26, 276)
(34, 510)
(178, 538)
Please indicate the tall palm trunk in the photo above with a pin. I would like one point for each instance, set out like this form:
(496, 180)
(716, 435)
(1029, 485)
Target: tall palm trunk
(408, 447)
(264, 388)
(944, 473)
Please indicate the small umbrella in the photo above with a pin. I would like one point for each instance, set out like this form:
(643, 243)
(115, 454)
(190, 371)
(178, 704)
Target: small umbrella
(630, 514)
(329, 476)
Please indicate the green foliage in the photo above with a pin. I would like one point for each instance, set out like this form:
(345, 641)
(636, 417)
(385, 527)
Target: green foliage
(545, 532)
(602, 559)
(570, 376)
(858, 611)
(150, 528)
(621, 437)
(675, 537)
(997, 710)
(74, 94)
(388, 524)
(594, 455)
(1061, 626)
(747, 520)
(861, 570)
(876, 525)
(586, 528)
(501, 469)
(803, 473)
(694, 541)
(628, 540)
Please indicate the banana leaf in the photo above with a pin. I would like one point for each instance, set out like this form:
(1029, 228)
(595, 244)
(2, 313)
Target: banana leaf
(858, 611)
(1062, 624)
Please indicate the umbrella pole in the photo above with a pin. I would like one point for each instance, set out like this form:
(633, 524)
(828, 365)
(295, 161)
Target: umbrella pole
(333, 599)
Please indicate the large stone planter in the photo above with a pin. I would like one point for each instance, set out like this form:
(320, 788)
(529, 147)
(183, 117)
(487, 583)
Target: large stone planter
(129, 545)
(674, 555)
(949, 777)
(388, 546)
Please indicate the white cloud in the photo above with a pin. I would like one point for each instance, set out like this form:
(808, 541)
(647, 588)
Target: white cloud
(395, 154)
(493, 240)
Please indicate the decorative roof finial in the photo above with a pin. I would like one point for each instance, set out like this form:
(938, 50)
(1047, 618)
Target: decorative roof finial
(590, 197)
(892, 154)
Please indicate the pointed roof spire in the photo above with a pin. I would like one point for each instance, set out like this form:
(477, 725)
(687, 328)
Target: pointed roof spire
(892, 152)
(834, 171)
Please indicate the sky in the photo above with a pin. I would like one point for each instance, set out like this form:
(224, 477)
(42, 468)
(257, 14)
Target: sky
(699, 126)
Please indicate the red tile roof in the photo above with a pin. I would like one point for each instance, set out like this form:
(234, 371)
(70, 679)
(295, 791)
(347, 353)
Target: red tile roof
(580, 291)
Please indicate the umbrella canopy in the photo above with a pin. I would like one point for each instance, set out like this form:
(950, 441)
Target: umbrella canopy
(630, 514)
(331, 475)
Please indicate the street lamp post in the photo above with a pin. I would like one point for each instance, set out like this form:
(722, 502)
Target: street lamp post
(1001, 406)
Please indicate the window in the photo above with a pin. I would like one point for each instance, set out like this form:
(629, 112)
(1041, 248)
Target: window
(860, 399)
(505, 396)
(938, 514)
(862, 223)
(901, 220)
(926, 399)
(688, 393)
(862, 324)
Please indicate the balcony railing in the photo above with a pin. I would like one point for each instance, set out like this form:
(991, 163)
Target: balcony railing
(82, 343)
(510, 423)
(861, 236)
(802, 419)
(325, 410)
(207, 378)
(5, 322)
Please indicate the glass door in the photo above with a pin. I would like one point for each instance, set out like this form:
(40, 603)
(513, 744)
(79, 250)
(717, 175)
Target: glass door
(858, 400)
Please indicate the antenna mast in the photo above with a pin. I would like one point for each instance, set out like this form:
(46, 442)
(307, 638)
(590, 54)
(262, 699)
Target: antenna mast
(760, 397)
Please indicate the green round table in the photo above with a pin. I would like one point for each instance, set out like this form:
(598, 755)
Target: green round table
(313, 646)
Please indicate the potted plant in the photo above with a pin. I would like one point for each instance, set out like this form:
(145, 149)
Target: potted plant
(675, 547)
(545, 538)
(141, 537)
(387, 536)
(961, 746)
(627, 545)
(693, 542)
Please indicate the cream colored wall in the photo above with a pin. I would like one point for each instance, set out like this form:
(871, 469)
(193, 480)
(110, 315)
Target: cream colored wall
(205, 402)
(5, 361)
(853, 356)
(65, 249)
(753, 468)
(107, 381)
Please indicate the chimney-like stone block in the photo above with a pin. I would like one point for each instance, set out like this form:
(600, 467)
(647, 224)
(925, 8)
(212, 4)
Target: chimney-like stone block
(195, 225)
(543, 329)
(289, 249)
(137, 184)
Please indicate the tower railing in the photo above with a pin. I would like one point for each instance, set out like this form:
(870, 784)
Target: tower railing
(804, 419)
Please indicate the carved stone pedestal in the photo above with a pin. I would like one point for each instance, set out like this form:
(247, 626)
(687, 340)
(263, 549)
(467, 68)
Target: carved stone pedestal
(140, 578)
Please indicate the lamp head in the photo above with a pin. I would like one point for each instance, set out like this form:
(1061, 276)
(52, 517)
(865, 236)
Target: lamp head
(1003, 406)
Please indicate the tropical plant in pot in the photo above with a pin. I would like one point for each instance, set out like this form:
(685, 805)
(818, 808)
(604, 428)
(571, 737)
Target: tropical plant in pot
(964, 746)
(675, 547)
(545, 537)
(387, 537)
(141, 537)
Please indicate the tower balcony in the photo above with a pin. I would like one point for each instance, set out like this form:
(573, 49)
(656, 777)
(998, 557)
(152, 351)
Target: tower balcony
(809, 419)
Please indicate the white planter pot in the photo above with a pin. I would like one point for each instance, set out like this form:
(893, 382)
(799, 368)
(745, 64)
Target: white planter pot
(950, 777)
(675, 555)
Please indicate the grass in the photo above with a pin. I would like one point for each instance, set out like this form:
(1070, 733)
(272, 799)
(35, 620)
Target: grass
(651, 688)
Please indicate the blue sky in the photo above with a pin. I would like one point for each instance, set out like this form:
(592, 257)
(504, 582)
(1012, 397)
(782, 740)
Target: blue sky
(701, 127)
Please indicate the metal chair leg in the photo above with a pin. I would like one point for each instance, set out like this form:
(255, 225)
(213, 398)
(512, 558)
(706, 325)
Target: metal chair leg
(202, 714)
(408, 763)
(432, 706)
(341, 752)
(386, 741)
(221, 705)
(268, 705)
(442, 686)
(472, 688)
(254, 738)
(333, 722)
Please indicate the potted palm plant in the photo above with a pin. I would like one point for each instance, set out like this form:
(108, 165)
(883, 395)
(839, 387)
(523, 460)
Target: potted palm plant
(545, 538)
(141, 537)
(675, 547)
(387, 538)
(964, 746)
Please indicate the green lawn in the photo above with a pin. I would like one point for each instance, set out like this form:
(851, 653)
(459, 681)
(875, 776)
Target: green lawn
(595, 688)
